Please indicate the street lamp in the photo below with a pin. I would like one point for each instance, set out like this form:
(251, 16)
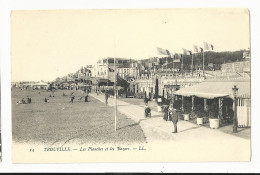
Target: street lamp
(235, 90)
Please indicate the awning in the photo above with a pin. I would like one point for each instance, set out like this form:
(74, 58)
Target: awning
(215, 89)
(103, 80)
(97, 80)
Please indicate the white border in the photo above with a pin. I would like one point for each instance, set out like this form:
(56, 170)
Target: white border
(7, 166)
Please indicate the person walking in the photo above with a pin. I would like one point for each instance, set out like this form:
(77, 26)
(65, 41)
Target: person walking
(146, 100)
(173, 116)
(72, 98)
(106, 98)
(147, 111)
(86, 98)
(165, 116)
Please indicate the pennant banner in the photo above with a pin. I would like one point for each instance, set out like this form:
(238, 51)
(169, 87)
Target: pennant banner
(186, 52)
(177, 56)
(196, 48)
(173, 55)
(208, 46)
(162, 51)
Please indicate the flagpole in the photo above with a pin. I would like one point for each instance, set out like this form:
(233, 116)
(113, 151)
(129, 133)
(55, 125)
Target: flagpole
(166, 65)
(192, 64)
(115, 94)
(107, 73)
(203, 61)
(173, 65)
(182, 64)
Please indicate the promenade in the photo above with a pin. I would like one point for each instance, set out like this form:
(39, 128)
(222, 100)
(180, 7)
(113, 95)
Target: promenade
(196, 140)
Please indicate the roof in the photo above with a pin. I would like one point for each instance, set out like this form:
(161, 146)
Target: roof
(96, 80)
(41, 84)
(214, 89)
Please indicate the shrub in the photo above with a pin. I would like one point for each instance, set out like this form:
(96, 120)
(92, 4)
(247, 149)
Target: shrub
(213, 110)
(202, 114)
(186, 106)
(199, 110)
(177, 104)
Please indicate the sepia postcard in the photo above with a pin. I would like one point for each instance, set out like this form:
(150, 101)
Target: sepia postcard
(130, 85)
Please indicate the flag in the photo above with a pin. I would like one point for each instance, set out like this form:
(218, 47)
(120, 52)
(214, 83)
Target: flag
(168, 53)
(176, 56)
(208, 46)
(162, 51)
(196, 48)
(186, 52)
(212, 47)
(179, 55)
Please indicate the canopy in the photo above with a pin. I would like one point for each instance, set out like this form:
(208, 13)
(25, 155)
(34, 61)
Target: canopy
(214, 89)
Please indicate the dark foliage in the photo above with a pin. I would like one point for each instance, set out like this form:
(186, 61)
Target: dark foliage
(213, 110)
(186, 106)
(217, 58)
(177, 104)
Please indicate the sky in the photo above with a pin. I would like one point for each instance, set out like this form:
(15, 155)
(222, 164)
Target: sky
(46, 44)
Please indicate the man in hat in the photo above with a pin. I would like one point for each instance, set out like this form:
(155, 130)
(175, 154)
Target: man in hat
(146, 101)
(72, 98)
(147, 111)
(86, 98)
(173, 116)
(106, 97)
(165, 117)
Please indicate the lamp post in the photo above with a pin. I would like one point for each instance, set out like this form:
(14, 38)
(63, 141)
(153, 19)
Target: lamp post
(235, 90)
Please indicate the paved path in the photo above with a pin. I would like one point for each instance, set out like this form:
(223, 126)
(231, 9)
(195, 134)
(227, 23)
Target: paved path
(211, 144)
